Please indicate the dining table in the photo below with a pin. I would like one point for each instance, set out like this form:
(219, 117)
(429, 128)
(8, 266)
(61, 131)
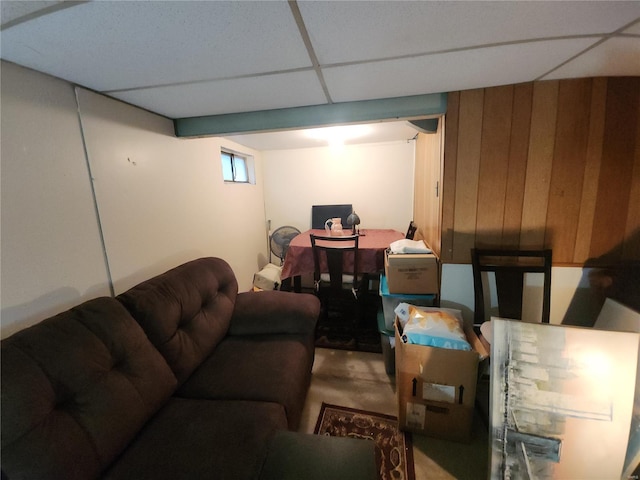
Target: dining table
(372, 244)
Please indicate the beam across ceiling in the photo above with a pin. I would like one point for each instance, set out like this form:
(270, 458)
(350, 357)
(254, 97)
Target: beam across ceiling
(411, 107)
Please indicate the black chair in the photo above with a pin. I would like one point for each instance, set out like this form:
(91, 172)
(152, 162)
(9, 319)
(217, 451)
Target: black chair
(337, 289)
(509, 267)
(411, 231)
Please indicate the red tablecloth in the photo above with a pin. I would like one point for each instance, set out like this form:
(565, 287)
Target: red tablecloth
(371, 247)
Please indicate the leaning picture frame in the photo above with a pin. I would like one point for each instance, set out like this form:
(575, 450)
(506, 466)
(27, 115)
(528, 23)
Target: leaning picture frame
(553, 390)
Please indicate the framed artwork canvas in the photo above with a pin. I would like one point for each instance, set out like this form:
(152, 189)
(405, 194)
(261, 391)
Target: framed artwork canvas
(561, 400)
(619, 317)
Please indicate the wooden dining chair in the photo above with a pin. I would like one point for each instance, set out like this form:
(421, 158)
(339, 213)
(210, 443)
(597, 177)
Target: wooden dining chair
(509, 267)
(336, 287)
(411, 231)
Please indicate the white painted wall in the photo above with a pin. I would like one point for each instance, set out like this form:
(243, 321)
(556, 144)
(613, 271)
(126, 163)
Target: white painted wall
(51, 253)
(161, 200)
(377, 179)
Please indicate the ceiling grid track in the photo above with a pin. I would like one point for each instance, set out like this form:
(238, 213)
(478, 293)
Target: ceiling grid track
(293, 5)
(618, 32)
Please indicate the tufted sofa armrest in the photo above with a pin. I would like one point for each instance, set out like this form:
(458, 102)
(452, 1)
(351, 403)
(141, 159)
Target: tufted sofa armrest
(273, 311)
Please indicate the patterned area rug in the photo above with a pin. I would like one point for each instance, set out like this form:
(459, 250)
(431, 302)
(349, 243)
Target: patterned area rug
(394, 453)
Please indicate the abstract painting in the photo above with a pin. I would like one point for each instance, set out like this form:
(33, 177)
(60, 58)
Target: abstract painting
(561, 400)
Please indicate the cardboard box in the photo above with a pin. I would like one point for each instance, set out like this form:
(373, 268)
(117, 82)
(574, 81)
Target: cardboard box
(436, 387)
(416, 273)
(268, 278)
(391, 300)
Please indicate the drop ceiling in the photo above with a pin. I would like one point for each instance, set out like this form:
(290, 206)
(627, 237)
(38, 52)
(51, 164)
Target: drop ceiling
(185, 59)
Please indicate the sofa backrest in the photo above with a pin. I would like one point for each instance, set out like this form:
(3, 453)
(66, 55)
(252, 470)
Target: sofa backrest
(186, 311)
(76, 388)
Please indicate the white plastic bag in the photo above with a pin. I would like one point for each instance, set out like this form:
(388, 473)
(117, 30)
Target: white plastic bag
(408, 246)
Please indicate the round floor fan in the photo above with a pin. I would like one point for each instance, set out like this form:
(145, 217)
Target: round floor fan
(280, 240)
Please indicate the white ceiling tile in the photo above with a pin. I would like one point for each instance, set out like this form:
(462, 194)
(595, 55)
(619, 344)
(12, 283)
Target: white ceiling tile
(118, 45)
(239, 95)
(352, 31)
(449, 72)
(11, 10)
(604, 60)
(217, 57)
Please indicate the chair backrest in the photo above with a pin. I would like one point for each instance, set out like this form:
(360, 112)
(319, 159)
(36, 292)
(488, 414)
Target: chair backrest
(509, 267)
(411, 231)
(331, 254)
(321, 213)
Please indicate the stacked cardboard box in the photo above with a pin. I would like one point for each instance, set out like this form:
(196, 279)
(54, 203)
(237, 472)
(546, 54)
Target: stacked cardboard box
(436, 387)
(415, 273)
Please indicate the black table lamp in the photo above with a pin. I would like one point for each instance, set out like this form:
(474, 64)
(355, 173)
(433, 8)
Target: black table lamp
(353, 219)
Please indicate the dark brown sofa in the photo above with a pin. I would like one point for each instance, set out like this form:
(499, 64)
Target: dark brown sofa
(179, 377)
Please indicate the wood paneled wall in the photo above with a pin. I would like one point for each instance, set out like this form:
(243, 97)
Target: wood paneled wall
(551, 164)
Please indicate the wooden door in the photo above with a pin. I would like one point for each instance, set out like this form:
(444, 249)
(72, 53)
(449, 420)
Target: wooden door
(427, 204)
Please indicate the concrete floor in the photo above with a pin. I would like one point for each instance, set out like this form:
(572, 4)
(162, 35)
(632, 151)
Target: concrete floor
(359, 380)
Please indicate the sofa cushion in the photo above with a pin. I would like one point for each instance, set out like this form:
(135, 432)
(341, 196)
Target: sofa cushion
(275, 312)
(186, 311)
(272, 368)
(76, 388)
(193, 439)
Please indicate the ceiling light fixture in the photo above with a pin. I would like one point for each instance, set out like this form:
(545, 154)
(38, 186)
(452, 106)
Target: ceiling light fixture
(338, 135)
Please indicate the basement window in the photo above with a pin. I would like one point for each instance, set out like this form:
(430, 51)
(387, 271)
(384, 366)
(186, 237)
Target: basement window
(237, 167)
